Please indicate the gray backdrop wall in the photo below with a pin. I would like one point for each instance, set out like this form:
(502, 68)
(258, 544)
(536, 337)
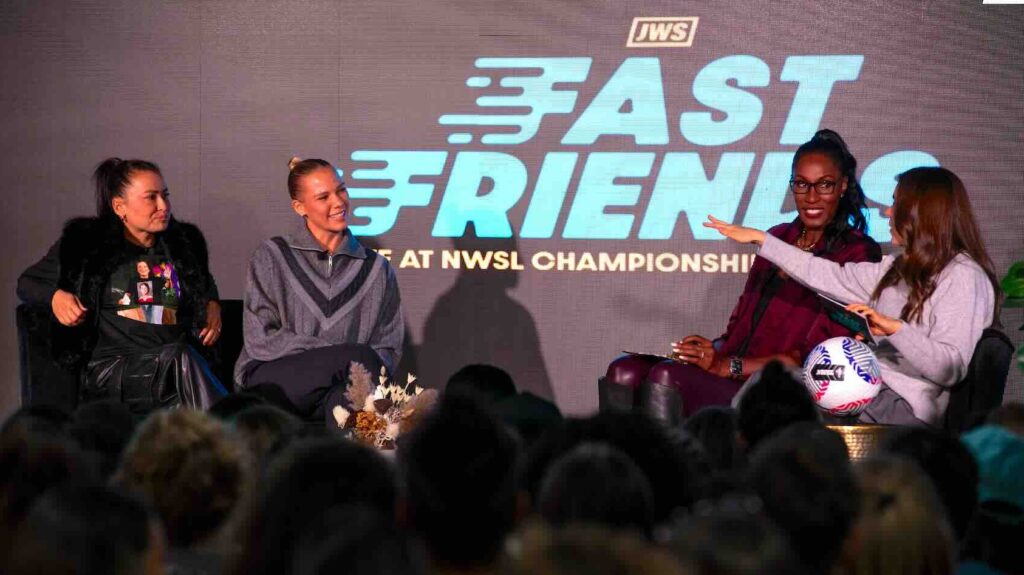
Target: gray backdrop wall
(579, 144)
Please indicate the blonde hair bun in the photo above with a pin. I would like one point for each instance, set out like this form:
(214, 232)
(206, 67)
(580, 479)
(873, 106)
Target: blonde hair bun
(294, 161)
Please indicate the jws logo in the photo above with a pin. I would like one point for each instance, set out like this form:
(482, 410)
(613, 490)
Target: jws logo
(662, 32)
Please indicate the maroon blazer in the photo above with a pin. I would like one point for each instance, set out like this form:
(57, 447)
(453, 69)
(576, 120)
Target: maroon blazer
(794, 318)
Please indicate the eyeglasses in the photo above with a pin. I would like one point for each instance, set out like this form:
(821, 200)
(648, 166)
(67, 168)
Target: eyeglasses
(823, 187)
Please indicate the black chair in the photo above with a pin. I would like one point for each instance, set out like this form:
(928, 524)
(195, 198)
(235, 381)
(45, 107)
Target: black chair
(45, 382)
(982, 389)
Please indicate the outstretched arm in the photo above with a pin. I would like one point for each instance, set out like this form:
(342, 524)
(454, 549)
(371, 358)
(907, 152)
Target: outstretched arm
(851, 282)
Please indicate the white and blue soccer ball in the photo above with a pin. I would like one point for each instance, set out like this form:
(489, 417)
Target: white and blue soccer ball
(842, 375)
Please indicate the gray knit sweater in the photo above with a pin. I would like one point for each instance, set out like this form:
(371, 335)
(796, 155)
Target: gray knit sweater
(923, 359)
(299, 297)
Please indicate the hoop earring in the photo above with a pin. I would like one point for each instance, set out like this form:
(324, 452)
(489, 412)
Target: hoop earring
(124, 218)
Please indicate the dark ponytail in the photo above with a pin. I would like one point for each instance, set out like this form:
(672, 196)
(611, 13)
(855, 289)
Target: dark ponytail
(850, 209)
(112, 177)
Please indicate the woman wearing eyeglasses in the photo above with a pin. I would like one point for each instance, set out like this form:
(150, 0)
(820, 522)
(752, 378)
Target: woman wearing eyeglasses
(926, 307)
(776, 318)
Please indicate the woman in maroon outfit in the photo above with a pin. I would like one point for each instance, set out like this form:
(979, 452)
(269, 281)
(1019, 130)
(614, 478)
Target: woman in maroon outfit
(776, 318)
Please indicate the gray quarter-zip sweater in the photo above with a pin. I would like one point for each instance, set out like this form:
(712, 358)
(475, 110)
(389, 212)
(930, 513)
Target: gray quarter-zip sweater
(299, 297)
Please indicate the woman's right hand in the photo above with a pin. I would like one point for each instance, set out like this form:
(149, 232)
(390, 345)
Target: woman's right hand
(695, 350)
(67, 308)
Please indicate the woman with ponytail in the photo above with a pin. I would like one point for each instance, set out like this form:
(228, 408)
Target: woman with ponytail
(131, 291)
(776, 318)
(926, 306)
(317, 300)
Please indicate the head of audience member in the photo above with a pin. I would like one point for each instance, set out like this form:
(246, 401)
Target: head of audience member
(948, 464)
(775, 400)
(932, 219)
(1000, 457)
(306, 479)
(232, 404)
(902, 526)
(357, 539)
(596, 483)
(1010, 417)
(588, 550)
(87, 529)
(672, 461)
(732, 536)
(458, 479)
(489, 383)
(31, 463)
(824, 183)
(318, 195)
(133, 193)
(265, 428)
(190, 468)
(36, 420)
(715, 427)
(806, 483)
(102, 429)
(528, 415)
(998, 528)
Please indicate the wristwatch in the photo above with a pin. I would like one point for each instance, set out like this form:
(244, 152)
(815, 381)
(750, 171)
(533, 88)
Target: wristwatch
(735, 367)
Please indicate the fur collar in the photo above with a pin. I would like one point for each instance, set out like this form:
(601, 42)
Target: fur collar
(91, 250)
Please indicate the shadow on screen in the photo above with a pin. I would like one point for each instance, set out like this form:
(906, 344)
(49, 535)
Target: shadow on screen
(477, 321)
(681, 315)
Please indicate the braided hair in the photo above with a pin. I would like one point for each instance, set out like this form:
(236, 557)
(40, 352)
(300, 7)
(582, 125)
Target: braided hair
(850, 209)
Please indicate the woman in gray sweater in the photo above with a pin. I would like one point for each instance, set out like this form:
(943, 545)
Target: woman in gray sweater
(317, 300)
(926, 307)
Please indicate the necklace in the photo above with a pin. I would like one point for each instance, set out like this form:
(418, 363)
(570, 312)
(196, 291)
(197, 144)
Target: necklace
(800, 242)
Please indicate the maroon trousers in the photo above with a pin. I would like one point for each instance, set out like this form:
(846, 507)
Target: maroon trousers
(697, 387)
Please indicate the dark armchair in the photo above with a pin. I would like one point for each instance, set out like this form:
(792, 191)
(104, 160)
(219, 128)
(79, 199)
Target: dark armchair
(981, 391)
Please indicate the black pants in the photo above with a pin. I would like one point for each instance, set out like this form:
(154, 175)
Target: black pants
(165, 377)
(315, 380)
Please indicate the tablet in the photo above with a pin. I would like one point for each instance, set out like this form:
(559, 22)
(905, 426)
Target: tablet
(855, 322)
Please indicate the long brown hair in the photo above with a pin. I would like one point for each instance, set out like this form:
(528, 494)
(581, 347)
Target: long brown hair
(933, 217)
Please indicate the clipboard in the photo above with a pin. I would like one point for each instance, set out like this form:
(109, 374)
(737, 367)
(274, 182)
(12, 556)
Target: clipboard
(855, 322)
(660, 355)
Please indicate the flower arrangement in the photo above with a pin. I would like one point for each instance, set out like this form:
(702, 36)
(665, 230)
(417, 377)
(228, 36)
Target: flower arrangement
(380, 413)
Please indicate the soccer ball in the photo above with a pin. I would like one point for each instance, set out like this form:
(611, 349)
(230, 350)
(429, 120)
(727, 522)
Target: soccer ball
(842, 375)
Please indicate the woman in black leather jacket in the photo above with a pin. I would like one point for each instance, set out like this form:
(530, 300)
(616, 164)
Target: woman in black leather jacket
(129, 290)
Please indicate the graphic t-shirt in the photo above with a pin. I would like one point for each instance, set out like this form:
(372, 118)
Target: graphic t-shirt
(139, 309)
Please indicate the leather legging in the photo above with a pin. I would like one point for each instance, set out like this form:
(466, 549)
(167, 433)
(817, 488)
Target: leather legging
(169, 376)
